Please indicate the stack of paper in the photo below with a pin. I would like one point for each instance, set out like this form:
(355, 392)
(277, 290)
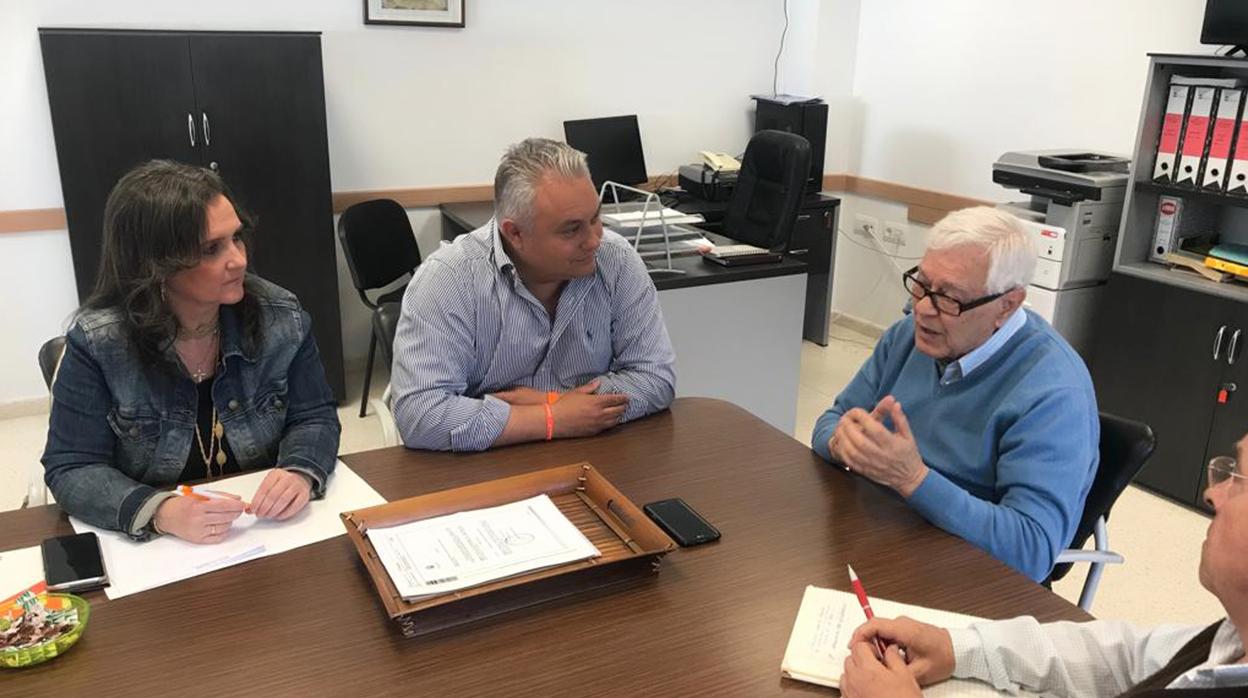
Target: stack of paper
(645, 219)
(134, 567)
(462, 550)
(826, 622)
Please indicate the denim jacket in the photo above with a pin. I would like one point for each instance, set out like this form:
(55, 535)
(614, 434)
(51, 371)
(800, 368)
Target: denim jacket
(120, 430)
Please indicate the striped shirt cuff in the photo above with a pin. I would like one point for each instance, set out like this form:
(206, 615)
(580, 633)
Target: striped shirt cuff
(483, 429)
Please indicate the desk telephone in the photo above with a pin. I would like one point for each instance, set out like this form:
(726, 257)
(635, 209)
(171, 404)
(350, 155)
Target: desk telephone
(720, 161)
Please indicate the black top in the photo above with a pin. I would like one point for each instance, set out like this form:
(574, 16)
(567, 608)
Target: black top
(195, 468)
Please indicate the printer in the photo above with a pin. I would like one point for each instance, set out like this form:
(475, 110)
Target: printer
(1074, 214)
(706, 183)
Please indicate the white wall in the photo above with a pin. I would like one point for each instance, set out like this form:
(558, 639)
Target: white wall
(414, 106)
(949, 86)
(944, 88)
(921, 93)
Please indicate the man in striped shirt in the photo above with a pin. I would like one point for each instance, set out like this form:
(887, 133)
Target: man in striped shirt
(1098, 658)
(537, 325)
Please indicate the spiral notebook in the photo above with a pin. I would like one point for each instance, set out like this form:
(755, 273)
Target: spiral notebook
(826, 621)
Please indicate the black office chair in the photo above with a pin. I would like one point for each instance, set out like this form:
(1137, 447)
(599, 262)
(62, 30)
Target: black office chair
(1125, 446)
(385, 324)
(380, 248)
(49, 357)
(769, 190)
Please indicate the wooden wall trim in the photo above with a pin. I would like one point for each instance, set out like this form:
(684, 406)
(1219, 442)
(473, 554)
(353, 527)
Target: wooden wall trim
(417, 197)
(32, 219)
(926, 206)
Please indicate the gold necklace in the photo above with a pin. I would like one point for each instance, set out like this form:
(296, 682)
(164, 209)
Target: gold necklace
(214, 446)
(204, 366)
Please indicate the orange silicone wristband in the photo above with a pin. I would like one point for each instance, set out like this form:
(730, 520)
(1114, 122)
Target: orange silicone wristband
(550, 422)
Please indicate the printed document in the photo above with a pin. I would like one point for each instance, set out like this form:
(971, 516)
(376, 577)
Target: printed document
(468, 548)
(19, 569)
(134, 567)
(827, 620)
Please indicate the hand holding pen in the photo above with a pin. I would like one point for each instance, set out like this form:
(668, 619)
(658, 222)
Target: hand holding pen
(198, 515)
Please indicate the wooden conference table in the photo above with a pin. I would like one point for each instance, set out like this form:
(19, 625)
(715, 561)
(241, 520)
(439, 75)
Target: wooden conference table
(713, 621)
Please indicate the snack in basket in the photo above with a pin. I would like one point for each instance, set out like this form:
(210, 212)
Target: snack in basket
(32, 617)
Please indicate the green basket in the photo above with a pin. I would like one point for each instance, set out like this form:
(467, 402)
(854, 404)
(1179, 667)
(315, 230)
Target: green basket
(30, 656)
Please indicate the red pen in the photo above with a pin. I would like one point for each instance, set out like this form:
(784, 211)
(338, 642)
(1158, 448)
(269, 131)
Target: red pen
(865, 603)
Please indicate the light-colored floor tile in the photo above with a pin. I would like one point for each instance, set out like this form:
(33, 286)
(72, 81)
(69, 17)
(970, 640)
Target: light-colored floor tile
(811, 403)
(1158, 583)
(21, 445)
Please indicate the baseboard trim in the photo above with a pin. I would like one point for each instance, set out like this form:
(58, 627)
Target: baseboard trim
(24, 407)
(858, 325)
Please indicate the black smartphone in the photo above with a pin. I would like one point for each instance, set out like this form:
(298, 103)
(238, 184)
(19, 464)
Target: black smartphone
(74, 563)
(682, 523)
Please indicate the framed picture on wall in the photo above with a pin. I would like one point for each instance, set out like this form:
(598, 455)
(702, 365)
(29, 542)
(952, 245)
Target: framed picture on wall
(422, 13)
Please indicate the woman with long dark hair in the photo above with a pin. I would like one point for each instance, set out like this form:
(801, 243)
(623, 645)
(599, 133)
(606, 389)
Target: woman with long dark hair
(182, 366)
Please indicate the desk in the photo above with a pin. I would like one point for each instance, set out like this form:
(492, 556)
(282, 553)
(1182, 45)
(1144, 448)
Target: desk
(813, 244)
(714, 621)
(736, 330)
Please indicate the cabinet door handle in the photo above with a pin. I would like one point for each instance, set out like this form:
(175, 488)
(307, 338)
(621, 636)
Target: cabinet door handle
(207, 129)
(1230, 352)
(190, 130)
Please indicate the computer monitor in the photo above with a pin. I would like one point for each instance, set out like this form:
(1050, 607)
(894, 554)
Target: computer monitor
(1226, 22)
(613, 146)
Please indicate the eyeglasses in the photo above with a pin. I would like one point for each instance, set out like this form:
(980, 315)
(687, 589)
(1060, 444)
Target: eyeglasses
(943, 304)
(1223, 468)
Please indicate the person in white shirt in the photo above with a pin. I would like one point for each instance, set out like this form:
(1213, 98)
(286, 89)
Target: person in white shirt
(1098, 658)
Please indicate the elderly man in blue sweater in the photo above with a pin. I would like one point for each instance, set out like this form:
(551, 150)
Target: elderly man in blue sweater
(972, 408)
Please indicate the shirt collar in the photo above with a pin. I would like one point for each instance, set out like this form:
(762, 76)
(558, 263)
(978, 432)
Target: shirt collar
(957, 370)
(501, 259)
(1217, 671)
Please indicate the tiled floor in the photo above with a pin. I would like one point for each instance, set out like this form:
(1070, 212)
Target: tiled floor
(1161, 541)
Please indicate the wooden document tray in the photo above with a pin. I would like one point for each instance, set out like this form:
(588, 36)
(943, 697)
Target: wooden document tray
(631, 545)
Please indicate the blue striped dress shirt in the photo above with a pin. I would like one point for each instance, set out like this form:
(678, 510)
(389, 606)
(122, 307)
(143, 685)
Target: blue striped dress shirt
(469, 327)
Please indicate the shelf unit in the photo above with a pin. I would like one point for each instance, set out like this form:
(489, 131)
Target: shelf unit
(1169, 345)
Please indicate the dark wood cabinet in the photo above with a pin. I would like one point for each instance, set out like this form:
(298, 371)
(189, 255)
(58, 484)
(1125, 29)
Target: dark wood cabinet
(250, 105)
(1163, 355)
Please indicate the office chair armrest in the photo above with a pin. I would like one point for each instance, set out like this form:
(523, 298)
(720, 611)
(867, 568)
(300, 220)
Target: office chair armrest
(389, 430)
(1101, 556)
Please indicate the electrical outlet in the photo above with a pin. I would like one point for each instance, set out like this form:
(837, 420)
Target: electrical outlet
(866, 226)
(895, 233)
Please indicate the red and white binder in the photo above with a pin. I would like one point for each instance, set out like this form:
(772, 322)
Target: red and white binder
(1195, 136)
(1225, 119)
(1171, 133)
(1237, 182)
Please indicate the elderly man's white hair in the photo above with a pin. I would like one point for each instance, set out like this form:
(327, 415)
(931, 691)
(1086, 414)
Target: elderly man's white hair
(1011, 250)
(523, 165)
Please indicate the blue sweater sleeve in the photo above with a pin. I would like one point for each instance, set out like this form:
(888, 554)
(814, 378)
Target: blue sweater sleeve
(1038, 508)
(863, 391)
